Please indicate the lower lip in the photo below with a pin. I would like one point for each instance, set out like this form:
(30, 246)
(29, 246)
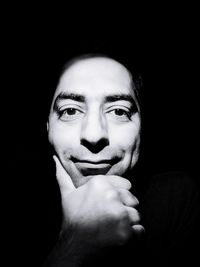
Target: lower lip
(93, 169)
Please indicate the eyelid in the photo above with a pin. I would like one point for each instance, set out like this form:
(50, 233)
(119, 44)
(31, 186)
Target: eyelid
(126, 117)
(63, 116)
(113, 107)
(67, 106)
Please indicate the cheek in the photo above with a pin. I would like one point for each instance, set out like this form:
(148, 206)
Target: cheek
(124, 137)
(64, 138)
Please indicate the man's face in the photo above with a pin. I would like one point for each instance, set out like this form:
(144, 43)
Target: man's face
(94, 121)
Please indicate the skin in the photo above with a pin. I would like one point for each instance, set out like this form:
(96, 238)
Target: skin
(94, 120)
(96, 139)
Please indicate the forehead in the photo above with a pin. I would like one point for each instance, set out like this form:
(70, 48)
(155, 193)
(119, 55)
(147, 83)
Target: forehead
(96, 76)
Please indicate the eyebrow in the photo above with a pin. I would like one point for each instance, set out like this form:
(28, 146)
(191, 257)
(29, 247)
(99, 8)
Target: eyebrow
(125, 97)
(81, 98)
(118, 97)
(64, 96)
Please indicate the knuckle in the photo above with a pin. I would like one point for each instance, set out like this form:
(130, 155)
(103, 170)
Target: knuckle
(119, 214)
(111, 194)
(136, 216)
(129, 185)
(134, 201)
(130, 200)
(123, 215)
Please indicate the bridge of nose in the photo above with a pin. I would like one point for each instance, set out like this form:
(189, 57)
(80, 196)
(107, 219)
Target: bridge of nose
(94, 126)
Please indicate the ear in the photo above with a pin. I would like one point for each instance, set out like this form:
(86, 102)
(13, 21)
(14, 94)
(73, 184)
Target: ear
(47, 125)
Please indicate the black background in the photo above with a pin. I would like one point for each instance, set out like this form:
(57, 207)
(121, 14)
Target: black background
(164, 44)
(167, 56)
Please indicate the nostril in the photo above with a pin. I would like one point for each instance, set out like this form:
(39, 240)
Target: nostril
(95, 147)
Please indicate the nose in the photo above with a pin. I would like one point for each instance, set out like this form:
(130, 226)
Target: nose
(94, 133)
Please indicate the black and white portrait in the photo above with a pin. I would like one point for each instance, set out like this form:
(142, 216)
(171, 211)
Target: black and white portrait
(104, 140)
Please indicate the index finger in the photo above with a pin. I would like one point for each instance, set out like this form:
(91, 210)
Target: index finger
(119, 182)
(64, 180)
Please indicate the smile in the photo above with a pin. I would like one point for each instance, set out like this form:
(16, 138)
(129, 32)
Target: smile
(87, 167)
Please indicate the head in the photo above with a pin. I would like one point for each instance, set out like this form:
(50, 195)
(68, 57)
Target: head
(94, 121)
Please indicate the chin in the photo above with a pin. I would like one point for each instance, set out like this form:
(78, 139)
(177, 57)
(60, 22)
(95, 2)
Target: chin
(79, 179)
(118, 169)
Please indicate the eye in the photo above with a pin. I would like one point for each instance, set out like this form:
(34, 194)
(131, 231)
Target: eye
(120, 114)
(69, 114)
(70, 111)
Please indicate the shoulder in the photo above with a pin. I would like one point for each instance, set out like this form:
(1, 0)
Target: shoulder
(171, 203)
(169, 192)
(173, 183)
(171, 215)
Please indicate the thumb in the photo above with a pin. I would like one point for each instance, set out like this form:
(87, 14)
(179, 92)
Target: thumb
(64, 180)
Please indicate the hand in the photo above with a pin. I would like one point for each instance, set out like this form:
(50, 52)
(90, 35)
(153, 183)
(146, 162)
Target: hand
(101, 212)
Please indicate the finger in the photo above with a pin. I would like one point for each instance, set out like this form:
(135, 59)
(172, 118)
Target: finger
(127, 198)
(138, 229)
(134, 216)
(119, 182)
(64, 180)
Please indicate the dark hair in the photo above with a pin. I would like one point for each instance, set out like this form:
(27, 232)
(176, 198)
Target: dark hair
(136, 78)
(125, 55)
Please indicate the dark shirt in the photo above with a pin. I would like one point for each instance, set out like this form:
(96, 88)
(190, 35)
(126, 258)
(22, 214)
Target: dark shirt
(170, 209)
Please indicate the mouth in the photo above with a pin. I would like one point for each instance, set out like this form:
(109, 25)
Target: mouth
(91, 167)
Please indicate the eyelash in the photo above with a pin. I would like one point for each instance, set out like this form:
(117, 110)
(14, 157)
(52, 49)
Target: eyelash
(64, 111)
(125, 113)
